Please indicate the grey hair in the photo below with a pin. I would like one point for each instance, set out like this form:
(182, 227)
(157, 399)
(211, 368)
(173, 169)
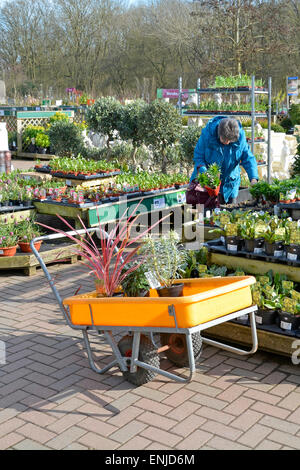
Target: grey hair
(228, 129)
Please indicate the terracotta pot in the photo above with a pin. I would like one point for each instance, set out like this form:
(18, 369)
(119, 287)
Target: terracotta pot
(8, 250)
(25, 246)
(213, 191)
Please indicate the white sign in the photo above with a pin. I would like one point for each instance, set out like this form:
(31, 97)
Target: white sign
(152, 280)
(181, 199)
(68, 182)
(159, 203)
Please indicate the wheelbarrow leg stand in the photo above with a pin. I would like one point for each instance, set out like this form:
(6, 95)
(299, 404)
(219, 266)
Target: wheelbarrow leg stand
(239, 351)
(118, 361)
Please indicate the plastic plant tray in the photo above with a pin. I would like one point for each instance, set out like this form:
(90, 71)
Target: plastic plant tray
(203, 300)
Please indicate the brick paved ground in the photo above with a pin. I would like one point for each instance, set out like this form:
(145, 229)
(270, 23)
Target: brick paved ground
(51, 399)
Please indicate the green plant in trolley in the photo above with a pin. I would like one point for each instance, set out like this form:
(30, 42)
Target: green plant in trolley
(163, 258)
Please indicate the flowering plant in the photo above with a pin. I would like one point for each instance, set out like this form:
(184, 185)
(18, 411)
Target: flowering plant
(27, 229)
(8, 236)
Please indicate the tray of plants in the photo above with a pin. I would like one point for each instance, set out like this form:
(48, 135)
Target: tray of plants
(175, 309)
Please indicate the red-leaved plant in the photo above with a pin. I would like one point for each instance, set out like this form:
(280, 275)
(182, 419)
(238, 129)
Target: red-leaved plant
(107, 264)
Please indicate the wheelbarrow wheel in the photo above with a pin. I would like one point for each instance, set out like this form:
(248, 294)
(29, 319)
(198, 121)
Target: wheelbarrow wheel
(147, 353)
(178, 352)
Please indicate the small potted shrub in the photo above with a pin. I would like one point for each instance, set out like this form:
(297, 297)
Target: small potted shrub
(42, 142)
(136, 284)
(164, 259)
(292, 243)
(250, 232)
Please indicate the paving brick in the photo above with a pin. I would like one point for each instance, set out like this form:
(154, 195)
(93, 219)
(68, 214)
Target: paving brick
(10, 425)
(179, 397)
(221, 430)
(97, 426)
(36, 433)
(205, 400)
(270, 410)
(219, 443)
(291, 402)
(136, 443)
(128, 431)
(246, 420)
(231, 393)
(255, 435)
(194, 441)
(146, 392)
(10, 440)
(184, 410)
(262, 396)
(240, 405)
(159, 435)
(66, 438)
(28, 444)
(156, 420)
(280, 424)
(215, 415)
(40, 418)
(96, 442)
(151, 405)
(188, 425)
(285, 439)
(268, 445)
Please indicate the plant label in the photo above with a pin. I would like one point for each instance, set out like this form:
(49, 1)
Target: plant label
(223, 240)
(152, 280)
(292, 256)
(1, 252)
(1, 112)
(68, 182)
(181, 198)
(285, 326)
(258, 250)
(278, 253)
(232, 247)
(159, 203)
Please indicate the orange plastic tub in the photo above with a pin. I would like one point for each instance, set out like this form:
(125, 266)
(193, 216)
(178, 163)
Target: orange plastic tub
(203, 300)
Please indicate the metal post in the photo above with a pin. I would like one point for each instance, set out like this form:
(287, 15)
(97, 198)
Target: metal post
(180, 95)
(252, 112)
(198, 93)
(269, 126)
(287, 97)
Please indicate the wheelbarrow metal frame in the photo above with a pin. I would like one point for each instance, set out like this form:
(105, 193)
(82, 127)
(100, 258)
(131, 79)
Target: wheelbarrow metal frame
(131, 363)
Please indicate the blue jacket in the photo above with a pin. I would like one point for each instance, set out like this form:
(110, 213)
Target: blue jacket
(209, 149)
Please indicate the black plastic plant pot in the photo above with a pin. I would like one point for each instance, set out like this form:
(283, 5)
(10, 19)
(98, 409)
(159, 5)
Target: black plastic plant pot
(288, 321)
(173, 291)
(274, 249)
(265, 316)
(27, 203)
(254, 245)
(292, 252)
(233, 243)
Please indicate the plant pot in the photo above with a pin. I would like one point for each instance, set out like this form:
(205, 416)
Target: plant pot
(8, 250)
(292, 252)
(274, 249)
(25, 246)
(265, 316)
(27, 203)
(254, 245)
(213, 191)
(233, 243)
(288, 321)
(42, 150)
(174, 291)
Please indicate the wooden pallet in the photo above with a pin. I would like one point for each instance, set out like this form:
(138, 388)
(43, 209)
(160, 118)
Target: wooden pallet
(241, 334)
(51, 253)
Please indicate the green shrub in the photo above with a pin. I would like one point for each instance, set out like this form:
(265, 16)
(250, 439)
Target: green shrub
(294, 114)
(184, 120)
(65, 138)
(277, 127)
(286, 123)
(159, 126)
(104, 116)
(188, 140)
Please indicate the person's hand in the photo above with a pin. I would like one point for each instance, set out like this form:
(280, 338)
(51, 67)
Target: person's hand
(253, 181)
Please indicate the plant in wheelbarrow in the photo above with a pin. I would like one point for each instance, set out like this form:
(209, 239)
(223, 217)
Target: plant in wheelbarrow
(165, 261)
(110, 264)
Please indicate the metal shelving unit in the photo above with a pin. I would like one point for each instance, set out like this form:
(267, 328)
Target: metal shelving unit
(252, 91)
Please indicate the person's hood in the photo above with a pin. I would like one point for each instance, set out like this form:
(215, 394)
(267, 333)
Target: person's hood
(212, 129)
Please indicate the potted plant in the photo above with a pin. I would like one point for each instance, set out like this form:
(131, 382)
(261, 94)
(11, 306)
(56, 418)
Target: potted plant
(289, 316)
(292, 243)
(274, 241)
(267, 301)
(26, 231)
(42, 142)
(8, 240)
(108, 266)
(164, 259)
(136, 284)
(251, 232)
(210, 180)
